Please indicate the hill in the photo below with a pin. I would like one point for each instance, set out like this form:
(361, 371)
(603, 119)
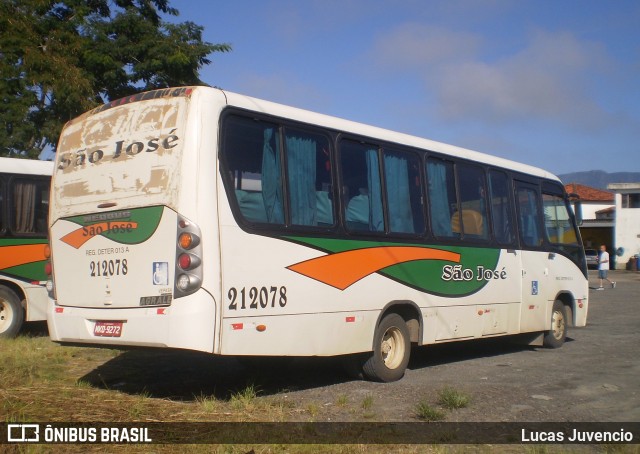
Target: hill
(599, 178)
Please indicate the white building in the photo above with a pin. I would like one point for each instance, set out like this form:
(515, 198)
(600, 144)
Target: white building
(627, 223)
(598, 215)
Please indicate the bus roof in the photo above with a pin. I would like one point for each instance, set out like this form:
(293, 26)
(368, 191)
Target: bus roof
(26, 166)
(336, 123)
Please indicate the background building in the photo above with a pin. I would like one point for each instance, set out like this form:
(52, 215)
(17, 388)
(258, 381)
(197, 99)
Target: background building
(627, 221)
(598, 214)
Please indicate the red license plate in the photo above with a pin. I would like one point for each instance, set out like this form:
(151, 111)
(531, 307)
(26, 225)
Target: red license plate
(107, 329)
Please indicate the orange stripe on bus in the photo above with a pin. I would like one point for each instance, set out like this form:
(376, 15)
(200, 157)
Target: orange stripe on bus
(78, 237)
(342, 269)
(20, 255)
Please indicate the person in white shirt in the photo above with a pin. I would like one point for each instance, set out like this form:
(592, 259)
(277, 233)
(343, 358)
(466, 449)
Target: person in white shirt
(603, 267)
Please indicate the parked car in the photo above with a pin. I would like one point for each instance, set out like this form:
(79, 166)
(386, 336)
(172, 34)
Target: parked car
(592, 258)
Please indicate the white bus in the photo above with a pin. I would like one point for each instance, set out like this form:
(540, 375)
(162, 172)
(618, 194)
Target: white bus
(24, 206)
(196, 218)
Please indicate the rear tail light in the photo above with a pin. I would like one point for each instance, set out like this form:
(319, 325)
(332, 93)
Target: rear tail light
(184, 261)
(188, 259)
(48, 270)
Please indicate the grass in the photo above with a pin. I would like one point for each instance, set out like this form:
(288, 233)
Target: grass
(209, 404)
(245, 398)
(22, 358)
(448, 398)
(453, 399)
(46, 382)
(367, 402)
(139, 406)
(426, 412)
(313, 409)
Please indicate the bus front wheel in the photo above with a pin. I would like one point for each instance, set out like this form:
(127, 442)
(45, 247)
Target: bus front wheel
(11, 313)
(555, 337)
(391, 349)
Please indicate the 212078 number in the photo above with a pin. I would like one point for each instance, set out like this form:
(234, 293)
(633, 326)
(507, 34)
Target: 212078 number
(106, 268)
(255, 297)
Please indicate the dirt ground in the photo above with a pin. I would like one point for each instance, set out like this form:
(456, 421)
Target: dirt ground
(593, 377)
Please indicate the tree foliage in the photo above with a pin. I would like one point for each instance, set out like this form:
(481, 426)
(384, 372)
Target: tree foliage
(61, 58)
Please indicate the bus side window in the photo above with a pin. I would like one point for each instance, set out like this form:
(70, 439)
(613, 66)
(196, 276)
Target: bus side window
(404, 191)
(443, 202)
(362, 190)
(472, 201)
(3, 221)
(30, 206)
(501, 214)
(309, 178)
(251, 154)
(529, 216)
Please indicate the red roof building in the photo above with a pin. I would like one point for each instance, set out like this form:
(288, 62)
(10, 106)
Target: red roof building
(589, 194)
(598, 214)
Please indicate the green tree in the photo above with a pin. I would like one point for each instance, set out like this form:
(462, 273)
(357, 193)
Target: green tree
(61, 58)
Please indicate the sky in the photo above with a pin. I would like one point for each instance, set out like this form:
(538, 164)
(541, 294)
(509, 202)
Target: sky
(554, 84)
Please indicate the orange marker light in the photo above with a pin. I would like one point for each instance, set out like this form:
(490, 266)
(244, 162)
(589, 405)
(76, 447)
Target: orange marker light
(185, 241)
(261, 328)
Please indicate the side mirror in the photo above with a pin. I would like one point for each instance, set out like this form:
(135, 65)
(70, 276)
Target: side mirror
(577, 207)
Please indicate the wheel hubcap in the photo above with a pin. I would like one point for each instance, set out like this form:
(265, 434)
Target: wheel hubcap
(392, 348)
(5, 316)
(557, 325)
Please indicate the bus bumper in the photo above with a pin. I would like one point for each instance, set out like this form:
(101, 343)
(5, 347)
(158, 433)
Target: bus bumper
(188, 323)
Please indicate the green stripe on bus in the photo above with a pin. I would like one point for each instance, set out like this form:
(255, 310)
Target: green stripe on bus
(476, 268)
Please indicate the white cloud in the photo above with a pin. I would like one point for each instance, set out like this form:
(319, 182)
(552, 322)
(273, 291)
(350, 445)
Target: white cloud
(416, 46)
(549, 79)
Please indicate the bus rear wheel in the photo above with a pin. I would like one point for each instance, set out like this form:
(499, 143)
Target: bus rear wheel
(391, 349)
(555, 337)
(11, 313)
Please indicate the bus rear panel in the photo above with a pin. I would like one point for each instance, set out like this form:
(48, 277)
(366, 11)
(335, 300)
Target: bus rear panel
(127, 263)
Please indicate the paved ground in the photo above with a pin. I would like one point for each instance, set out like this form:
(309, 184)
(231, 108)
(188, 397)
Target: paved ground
(594, 377)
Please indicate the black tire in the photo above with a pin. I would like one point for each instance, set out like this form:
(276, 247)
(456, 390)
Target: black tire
(391, 350)
(11, 313)
(555, 337)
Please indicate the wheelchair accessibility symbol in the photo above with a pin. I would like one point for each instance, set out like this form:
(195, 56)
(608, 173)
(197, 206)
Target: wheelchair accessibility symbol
(160, 273)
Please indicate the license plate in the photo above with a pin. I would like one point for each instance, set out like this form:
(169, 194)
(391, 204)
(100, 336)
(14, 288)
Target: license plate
(107, 329)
